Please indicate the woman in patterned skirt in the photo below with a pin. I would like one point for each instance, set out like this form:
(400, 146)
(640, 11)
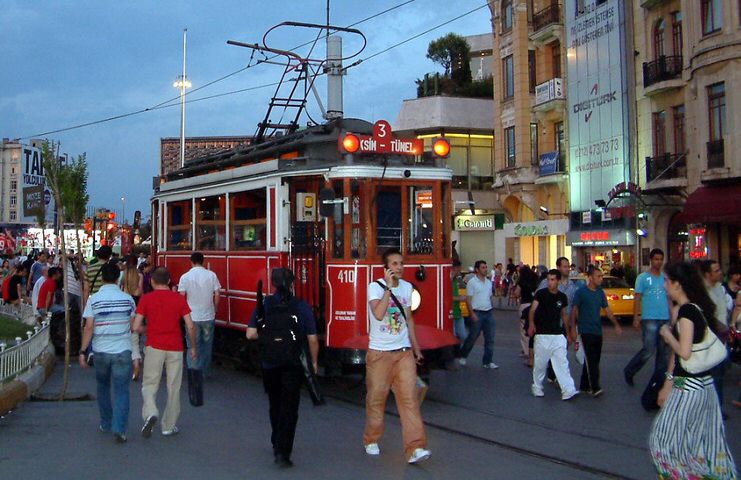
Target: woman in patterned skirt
(687, 440)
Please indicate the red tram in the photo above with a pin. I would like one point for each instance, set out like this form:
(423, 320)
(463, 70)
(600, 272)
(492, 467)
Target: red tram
(326, 202)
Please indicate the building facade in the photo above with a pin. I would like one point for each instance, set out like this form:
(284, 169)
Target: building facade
(687, 77)
(20, 193)
(195, 147)
(531, 151)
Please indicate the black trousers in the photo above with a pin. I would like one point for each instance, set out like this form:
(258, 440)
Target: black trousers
(592, 345)
(283, 386)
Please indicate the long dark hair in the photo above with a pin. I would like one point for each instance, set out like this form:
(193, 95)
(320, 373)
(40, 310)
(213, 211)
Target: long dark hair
(694, 287)
(528, 280)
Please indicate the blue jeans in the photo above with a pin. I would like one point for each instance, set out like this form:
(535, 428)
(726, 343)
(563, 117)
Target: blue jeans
(652, 345)
(204, 345)
(459, 328)
(113, 368)
(486, 325)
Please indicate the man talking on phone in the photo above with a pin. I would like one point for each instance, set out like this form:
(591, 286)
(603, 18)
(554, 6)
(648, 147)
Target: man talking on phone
(393, 352)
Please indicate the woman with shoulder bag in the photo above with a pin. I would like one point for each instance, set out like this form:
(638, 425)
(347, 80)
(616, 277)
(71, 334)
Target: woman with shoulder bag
(687, 439)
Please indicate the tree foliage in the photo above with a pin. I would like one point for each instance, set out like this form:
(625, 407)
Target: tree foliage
(453, 53)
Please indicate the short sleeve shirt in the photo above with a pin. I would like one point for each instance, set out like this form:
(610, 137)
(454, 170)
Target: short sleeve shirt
(654, 303)
(49, 286)
(163, 310)
(389, 333)
(590, 302)
(111, 311)
(480, 292)
(93, 276)
(548, 319)
(200, 284)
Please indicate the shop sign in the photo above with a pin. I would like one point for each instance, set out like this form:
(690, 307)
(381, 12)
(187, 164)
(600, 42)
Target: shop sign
(586, 217)
(473, 223)
(34, 191)
(549, 163)
(531, 230)
(623, 187)
(423, 198)
(598, 238)
(536, 229)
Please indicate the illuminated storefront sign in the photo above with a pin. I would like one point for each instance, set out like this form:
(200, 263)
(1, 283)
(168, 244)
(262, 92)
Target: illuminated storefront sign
(473, 223)
(536, 229)
(597, 100)
(598, 238)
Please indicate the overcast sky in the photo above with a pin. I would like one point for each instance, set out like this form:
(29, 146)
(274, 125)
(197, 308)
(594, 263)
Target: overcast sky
(71, 62)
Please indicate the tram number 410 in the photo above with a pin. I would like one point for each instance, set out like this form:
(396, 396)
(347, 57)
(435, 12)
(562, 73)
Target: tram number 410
(346, 276)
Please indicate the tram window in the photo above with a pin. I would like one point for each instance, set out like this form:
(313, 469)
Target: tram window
(388, 217)
(338, 240)
(421, 217)
(359, 233)
(211, 223)
(248, 224)
(446, 219)
(179, 225)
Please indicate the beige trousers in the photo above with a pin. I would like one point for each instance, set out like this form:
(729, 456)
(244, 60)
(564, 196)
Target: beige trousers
(154, 361)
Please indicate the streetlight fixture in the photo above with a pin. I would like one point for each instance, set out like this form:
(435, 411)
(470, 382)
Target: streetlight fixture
(123, 210)
(182, 83)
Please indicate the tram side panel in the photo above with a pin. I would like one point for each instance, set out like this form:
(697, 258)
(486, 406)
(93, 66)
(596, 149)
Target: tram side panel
(347, 310)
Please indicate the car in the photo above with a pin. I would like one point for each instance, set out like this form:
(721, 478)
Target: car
(620, 296)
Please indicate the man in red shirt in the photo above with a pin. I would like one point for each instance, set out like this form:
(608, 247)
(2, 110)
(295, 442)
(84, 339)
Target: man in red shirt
(163, 310)
(46, 293)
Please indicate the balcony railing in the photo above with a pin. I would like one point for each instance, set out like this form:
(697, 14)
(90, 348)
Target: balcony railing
(666, 167)
(552, 163)
(716, 157)
(549, 90)
(547, 16)
(665, 68)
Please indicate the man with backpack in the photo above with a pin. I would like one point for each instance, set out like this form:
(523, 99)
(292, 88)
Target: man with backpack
(282, 327)
(93, 281)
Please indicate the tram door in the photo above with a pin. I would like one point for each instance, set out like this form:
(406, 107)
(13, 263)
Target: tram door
(307, 253)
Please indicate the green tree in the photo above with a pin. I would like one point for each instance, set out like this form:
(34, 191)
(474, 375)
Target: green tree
(453, 53)
(73, 183)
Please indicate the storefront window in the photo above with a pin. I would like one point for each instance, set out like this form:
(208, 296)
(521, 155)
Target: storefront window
(421, 216)
(211, 223)
(179, 225)
(481, 161)
(248, 222)
(458, 161)
(677, 238)
(388, 217)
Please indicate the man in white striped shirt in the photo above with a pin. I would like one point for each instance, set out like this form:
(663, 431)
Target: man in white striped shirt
(108, 314)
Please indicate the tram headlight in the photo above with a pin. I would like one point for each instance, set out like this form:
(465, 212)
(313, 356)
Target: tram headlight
(351, 143)
(416, 299)
(441, 147)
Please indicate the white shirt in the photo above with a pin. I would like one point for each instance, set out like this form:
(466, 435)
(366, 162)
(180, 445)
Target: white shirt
(390, 333)
(480, 293)
(721, 300)
(200, 285)
(36, 291)
(73, 284)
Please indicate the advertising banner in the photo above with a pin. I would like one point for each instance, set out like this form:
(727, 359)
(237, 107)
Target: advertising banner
(549, 163)
(597, 100)
(34, 191)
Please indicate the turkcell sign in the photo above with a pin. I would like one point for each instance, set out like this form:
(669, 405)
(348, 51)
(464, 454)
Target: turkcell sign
(597, 100)
(34, 191)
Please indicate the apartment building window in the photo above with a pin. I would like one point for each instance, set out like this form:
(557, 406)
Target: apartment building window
(677, 43)
(509, 146)
(711, 16)
(559, 137)
(508, 68)
(533, 144)
(659, 28)
(679, 140)
(531, 69)
(717, 110)
(556, 58)
(13, 217)
(13, 200)
(506, 15)
(13, 185)
(659, 133)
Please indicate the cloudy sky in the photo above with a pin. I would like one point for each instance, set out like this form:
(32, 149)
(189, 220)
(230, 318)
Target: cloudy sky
(70, 62)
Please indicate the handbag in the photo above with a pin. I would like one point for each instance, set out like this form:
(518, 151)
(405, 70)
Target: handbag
(706, 354)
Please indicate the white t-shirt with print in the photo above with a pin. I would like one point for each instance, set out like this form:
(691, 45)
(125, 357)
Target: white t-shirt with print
(391, 332)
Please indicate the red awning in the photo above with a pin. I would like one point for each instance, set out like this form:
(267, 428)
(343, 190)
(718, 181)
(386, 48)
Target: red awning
(718, 204)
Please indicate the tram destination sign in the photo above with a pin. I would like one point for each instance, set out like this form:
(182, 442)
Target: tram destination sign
(382, 141)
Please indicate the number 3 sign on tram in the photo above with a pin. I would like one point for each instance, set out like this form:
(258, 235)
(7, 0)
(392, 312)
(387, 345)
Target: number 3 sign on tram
(382, 135)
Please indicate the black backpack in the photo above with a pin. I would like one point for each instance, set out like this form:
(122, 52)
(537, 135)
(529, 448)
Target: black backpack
(280, 335)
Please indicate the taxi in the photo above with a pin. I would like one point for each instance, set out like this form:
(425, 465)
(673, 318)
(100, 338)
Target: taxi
(619, 295)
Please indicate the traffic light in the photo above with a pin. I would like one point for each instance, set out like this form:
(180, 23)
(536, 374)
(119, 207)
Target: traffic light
(350, 143)
(441, 147)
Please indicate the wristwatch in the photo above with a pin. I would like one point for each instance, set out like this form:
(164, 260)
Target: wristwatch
(669, 376)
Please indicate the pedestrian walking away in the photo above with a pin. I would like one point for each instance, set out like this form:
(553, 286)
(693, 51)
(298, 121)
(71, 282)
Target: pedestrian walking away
(650, 313)
(162, 308)
(201, 288)
(687, 438)
(390, 362)
(108, 316)
(284, 326)
(586, 318)
(480, 302)
(460, 308)
(549, 324)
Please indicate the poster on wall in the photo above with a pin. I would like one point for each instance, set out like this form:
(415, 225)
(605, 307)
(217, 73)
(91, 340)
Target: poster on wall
(597, 100)
(35, 193)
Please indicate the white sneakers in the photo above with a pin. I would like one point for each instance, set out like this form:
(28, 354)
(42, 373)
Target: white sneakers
(168, 433)
(492, 366)
(462, 362)
(372, 449)
(569, 395)
(419, 455)
(537, 392)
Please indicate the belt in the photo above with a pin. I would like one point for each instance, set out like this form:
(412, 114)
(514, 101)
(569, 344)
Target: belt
(404, 349)
(482, 311)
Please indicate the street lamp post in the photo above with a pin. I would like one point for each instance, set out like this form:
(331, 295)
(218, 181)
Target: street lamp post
(123, 210)
(182, 83)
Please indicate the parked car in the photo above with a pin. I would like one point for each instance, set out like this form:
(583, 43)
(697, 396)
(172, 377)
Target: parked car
(619, 295)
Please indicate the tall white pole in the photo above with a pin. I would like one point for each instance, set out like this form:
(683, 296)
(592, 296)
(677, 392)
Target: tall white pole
(183, 81)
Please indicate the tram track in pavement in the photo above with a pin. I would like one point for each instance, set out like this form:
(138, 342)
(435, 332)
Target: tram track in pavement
(497, 443)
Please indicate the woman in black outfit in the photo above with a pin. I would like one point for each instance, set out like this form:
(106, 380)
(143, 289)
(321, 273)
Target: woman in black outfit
(687, 438)
(525, 290)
